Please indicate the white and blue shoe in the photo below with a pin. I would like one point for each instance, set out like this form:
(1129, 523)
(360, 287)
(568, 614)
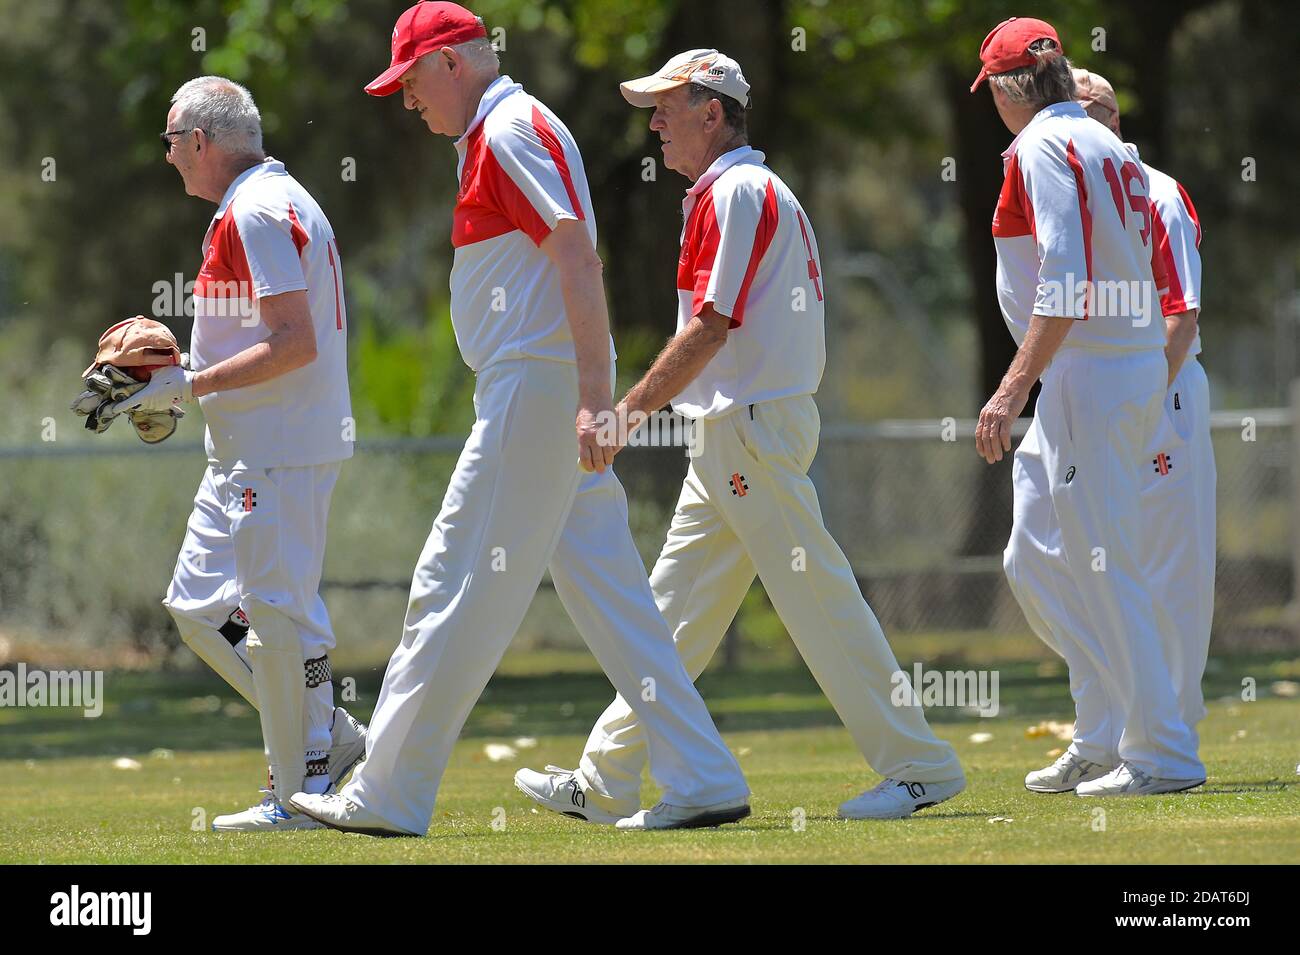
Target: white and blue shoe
(267, 816)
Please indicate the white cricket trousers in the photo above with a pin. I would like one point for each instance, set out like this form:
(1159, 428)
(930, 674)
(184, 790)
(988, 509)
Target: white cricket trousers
(258, 533)
(748, 507)
(1179, 503)
(509, 511)
(1078, 559)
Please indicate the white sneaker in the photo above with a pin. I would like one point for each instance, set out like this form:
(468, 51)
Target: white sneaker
(664, 816)
(558, 790)
(347, 746)
(268, 816)
(1128, 780)
(898, 799)
(1065, 774)
(339, 812)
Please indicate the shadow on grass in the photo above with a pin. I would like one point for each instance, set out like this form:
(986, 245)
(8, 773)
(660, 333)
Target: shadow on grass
(198, 712)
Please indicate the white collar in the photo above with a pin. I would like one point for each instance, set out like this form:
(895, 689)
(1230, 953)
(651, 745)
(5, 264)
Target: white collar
(269, 166)
(741, 154)
(500, 88)
(1066, 108)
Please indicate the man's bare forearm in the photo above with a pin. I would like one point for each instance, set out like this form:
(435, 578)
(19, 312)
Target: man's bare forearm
(291, 345)
(588, 315)
(1045, 335)
(1180, 332)
(681, 361)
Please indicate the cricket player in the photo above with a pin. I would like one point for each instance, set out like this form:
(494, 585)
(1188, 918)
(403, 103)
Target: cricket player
(1077, 284)
(744, 365)
(529, 313)
(269, 360)
(1178, 496)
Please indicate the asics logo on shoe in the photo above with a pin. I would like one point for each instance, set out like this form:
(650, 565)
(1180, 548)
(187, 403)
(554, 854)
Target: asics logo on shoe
(915, 790)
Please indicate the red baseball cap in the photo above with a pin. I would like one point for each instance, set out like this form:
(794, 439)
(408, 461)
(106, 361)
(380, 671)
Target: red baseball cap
(1007, 46)
(425, 27)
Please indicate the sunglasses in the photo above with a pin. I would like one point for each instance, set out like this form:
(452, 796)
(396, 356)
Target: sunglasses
(166, 138)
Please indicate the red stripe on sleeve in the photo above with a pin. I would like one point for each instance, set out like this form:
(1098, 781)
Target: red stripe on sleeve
(296, 230)
(1085, 216)
(763, 234)
(1164, 268)
(552, 144)
(1191, 211)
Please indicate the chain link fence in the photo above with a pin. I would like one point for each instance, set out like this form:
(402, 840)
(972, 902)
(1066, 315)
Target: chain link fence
(90, 531)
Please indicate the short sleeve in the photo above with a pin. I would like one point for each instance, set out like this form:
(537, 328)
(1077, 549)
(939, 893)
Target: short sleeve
(1177, 235)
(1055, 190)
(744, 219)
(273, 240)
(536, 189)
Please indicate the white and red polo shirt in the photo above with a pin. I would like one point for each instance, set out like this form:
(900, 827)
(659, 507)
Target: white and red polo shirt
(269, 237)
(748, 249)
(1075, 236)
(1178, 242)
(520, 174)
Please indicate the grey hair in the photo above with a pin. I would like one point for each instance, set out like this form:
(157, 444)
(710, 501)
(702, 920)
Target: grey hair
(224, 110)
(479, 54)
(733, 111)
(1049, 80)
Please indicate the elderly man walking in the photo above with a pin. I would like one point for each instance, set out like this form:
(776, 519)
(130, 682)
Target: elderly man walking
(530, 318)
(744, 365)
(269, 360)
(1073, 230)
(1179, 496)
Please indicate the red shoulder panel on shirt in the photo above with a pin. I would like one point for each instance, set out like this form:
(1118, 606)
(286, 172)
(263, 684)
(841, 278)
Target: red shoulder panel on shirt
(1014, 215)
(699, 250)
(489, 203)
(224, 272)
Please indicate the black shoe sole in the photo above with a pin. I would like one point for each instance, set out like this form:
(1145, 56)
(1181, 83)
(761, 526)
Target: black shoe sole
(710, 820)
(359, 830)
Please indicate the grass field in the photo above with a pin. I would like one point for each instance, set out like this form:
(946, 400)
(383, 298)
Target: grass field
(198, 753)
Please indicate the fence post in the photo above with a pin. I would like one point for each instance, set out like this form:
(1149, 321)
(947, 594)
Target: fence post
(1293, 434)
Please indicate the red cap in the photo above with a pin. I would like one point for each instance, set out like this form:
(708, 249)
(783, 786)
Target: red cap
(425, 27)
(1007, 46)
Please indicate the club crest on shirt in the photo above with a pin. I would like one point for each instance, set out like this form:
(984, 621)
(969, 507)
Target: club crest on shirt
(738, 485)
(1163, 463)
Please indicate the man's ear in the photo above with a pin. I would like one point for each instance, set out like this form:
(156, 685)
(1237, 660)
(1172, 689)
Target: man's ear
(719, 116)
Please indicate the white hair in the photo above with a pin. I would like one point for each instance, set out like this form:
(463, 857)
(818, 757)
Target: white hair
(224, 110)
(480, 55)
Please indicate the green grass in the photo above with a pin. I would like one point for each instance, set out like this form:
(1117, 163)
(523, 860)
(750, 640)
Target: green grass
(64, 801)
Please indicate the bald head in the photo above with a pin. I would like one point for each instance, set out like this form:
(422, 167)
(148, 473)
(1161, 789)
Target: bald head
(1097, 97)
